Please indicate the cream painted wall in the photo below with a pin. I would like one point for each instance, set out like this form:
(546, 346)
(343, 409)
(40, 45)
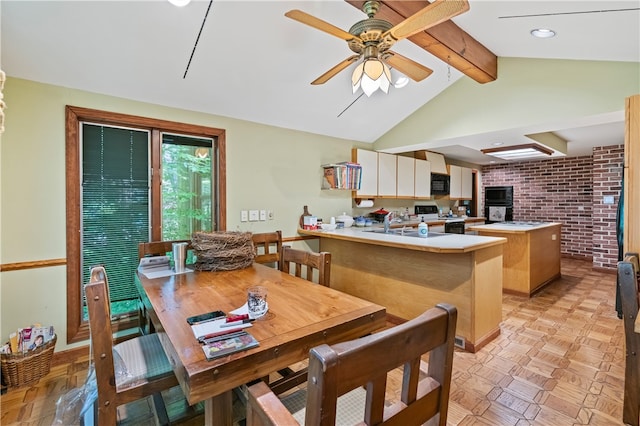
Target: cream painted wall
(527, 92)
(267, 168)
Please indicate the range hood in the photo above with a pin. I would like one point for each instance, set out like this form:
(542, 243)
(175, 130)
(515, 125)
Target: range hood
(438, 165)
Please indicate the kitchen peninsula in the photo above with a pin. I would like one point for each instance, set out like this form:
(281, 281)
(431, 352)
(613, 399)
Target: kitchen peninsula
(408, 275)
(531, 255)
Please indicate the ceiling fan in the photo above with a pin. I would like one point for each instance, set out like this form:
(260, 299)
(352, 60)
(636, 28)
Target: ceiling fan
(371, 39)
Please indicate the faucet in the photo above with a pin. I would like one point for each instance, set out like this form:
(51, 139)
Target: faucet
(387, 221)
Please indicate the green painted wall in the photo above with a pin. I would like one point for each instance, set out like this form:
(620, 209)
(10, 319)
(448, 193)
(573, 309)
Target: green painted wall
(267, 168)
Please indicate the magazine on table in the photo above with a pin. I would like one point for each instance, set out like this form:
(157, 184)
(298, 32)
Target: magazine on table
(228, 344)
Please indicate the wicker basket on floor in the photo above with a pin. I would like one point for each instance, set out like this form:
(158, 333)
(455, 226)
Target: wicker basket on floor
(26, 368)
(222, 250)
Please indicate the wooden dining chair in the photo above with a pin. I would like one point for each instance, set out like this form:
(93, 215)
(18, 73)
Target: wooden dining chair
(146, 249)
(268, 246)
(306, 264)
(629, 283)
(159, 248)
(134, 369)
(347, 381)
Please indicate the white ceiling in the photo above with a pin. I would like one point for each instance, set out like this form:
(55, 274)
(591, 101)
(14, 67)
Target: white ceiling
(253, 63)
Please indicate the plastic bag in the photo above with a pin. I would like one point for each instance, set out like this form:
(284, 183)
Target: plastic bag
(77, 403)
(76, 406)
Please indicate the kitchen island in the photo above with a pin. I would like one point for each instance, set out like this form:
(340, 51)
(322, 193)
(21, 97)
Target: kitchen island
(409, 275)
(531, 256)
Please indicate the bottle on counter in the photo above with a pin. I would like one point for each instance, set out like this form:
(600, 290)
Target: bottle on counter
(423, 230)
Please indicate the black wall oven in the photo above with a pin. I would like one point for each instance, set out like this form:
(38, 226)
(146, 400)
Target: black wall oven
(498, 196)
(498, 203)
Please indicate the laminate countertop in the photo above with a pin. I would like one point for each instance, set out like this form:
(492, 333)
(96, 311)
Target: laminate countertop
(513, 227)
(435, 243)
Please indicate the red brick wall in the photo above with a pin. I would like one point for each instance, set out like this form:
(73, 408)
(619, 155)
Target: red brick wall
(569, 191)
(607, 177)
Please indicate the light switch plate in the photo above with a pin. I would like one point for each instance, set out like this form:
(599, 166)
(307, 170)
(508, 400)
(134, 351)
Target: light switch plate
(263, 215)
(244, 216)
(253, 215)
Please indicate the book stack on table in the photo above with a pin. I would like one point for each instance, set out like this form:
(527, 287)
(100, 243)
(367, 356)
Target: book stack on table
(225, 335)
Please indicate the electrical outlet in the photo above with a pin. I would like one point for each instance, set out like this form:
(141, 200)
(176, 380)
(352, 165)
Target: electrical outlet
(253, 216)
(263, 215)
(270, 215)
(244, 216)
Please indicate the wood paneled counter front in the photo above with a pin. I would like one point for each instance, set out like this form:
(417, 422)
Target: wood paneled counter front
(408, 275)
(531, 256)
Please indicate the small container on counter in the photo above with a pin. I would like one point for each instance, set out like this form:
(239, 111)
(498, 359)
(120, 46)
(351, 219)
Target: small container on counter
(423, 230)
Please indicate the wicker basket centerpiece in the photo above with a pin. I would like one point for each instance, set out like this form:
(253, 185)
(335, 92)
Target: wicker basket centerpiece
(222, 250)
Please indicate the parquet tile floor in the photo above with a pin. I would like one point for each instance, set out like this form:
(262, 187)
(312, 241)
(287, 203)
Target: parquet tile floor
(559, 360)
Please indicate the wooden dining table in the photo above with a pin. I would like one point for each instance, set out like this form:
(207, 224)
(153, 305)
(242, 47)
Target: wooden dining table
(301, 316)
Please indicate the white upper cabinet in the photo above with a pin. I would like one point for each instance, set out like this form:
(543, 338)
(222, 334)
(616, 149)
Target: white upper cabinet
(369, 180)
(387, 173)
(460, 182)
(406, 177)
(422, 179)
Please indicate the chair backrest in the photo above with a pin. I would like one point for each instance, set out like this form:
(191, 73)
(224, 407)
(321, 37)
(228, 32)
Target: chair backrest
(268, 246)
(159, 248)
(629, 283)
(337, 369)
(294, 261)
(97, 295)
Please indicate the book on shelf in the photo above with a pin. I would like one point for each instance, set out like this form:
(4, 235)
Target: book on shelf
(225, 345)
(344, 175)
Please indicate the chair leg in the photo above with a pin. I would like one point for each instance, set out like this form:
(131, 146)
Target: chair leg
(161, 409)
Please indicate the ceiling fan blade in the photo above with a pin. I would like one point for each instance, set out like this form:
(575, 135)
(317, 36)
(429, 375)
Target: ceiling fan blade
(434, 14)
(335, 70)
(408, 67)
(319, 24)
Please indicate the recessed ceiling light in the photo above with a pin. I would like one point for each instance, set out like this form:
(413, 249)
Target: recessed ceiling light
(497, 143)
(179, 3)
(543, 33)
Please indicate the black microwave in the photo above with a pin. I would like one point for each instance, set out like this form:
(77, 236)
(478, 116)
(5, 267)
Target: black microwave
(498, 196)
(439, 184)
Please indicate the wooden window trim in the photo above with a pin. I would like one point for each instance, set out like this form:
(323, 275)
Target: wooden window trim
(78, 330)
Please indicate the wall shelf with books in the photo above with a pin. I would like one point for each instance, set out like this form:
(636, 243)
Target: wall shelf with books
(345, 175)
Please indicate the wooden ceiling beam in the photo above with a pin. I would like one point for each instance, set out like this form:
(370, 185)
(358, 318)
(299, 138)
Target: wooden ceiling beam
(446, 41)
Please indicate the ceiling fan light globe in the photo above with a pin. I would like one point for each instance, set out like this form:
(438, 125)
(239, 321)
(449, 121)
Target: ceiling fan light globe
(357, 75)
(387, 71)
(384, 84)
(356, 87)
(369, 86)
(373, 68)
(401, 82)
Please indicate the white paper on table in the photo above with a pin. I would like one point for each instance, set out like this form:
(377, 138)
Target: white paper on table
(244, 309)
(215, 326)
(157, 273)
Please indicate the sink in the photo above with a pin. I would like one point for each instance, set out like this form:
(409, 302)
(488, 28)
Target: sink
(411, 232)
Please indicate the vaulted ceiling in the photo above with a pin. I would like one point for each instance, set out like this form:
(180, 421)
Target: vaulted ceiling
(252, 63)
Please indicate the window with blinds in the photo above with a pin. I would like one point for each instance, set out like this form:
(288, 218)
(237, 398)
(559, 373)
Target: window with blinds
(132, 179)
(115, 204)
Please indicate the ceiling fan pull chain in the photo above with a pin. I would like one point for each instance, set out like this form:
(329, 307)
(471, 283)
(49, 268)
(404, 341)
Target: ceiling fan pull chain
(448, 68)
